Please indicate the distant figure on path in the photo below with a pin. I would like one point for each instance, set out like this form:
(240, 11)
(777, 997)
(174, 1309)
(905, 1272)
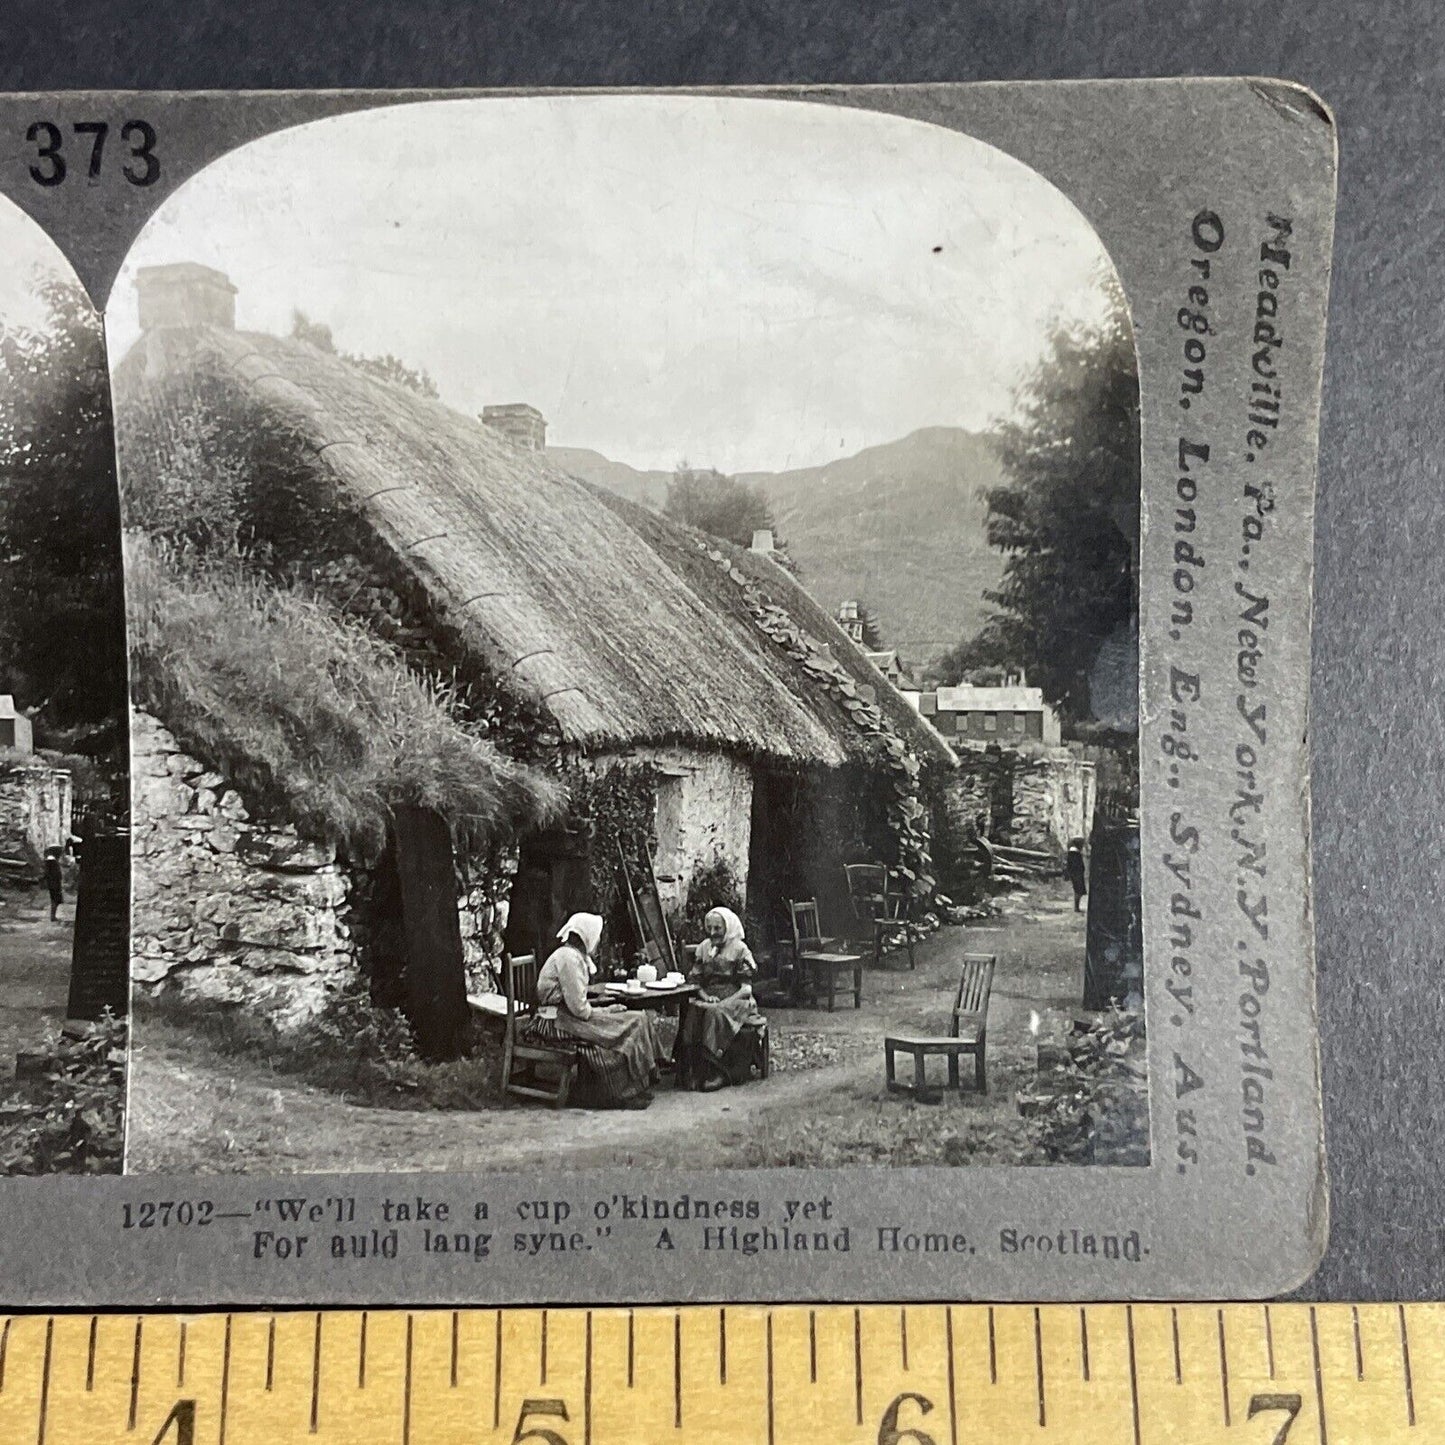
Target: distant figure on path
(1074, 869)
(53, 881)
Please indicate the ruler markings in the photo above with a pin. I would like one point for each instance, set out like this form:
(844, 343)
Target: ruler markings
(1174, 1329)
(135, 1374)
(271, 1353)
(497, 1378)
(544, 1347)
(1405, 1362)
(316, 1376)
(992, 1351)
(772, 1422)
(586, 1384)
(631, 1353)
(1039, 1368)
(45, 1382)
(406, 1389)
(1134, 1365)
(952, 1388)
(225, 1384)
(858, 1363)
(1269, 1340)
(1223, 1366)
(1319, 1378)
(4, 1346)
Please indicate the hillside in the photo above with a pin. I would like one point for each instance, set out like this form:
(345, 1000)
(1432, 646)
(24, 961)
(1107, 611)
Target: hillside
(898, 526)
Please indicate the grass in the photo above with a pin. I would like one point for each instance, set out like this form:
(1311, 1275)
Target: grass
(353, 1049)
(308, 712)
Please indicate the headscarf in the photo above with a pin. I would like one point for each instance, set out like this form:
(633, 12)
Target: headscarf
(587, 927)
(732, 944)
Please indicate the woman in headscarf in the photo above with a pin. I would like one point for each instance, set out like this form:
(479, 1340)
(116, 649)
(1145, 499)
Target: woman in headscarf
(713, 1049)
(616, 1050)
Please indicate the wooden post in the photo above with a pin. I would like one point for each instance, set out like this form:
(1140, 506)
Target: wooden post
(436, 984)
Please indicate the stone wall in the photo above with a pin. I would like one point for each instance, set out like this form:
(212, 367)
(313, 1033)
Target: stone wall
(704, 814)
(35, 812)
(225, 907)
(1053, 801)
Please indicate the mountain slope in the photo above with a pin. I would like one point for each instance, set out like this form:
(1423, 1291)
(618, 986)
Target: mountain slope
(899, 527)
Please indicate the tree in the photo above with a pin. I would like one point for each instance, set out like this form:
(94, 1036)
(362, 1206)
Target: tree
(1067, 517)
(712, 502)
(62, 601)
(386, 367)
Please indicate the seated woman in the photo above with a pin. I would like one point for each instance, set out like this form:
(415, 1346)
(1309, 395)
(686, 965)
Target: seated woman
(713, 1049)
(616, 1051)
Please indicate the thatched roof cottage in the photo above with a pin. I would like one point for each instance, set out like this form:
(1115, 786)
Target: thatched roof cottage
(582, 637)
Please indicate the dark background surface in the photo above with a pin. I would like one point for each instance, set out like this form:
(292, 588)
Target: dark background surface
(1378, 704)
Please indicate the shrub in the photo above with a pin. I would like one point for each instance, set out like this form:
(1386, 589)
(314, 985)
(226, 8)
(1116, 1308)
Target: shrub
(352, 1047)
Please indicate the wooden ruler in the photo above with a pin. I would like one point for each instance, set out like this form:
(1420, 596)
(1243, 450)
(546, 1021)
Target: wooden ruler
(921, 1375)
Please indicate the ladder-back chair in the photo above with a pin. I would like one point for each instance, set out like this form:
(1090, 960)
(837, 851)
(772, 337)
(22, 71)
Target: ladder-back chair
(967, 1034)
(526, 1066)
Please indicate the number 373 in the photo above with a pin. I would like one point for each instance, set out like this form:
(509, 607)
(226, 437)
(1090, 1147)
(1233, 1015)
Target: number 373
(51, 165)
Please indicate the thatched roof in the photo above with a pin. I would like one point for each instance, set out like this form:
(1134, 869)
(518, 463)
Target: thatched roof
(309, 712)
(609, 618)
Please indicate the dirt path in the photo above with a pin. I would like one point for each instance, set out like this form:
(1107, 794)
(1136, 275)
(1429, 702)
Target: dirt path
(190, 1110)
(34, 973)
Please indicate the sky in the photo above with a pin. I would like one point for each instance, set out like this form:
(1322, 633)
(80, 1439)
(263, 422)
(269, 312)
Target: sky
(749, 284)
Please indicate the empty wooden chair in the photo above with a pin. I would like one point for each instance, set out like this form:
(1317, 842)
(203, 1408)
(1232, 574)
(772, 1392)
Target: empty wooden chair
(815, 957)
(531, 1070)
(881, 906)
(967, 1034)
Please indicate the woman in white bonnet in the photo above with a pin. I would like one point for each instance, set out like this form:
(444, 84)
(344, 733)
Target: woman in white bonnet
(616, 1049)
(710, 1048)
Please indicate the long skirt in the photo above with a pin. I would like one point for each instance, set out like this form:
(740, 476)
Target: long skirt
(616, 1053)
(710, 1032)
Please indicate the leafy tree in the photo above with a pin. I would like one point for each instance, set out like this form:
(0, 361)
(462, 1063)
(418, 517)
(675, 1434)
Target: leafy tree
(712, 502)
(384, 368)
(62, 606)
(1067, 517)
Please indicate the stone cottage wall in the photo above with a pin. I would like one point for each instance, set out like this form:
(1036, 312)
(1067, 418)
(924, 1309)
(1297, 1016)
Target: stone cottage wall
(704, 814)
(227, 908)
(35, 812)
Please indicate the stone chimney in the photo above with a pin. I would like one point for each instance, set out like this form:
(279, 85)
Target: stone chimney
(15, 732)
(850, 619)
(185, 294)
(763, 542)
(524, 426)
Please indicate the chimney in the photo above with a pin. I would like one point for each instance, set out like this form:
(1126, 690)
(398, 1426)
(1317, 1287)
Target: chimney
(15, 730)
(522, 425)
(763, 541)
(185, 294)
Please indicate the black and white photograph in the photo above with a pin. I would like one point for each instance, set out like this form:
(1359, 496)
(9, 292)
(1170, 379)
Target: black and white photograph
(633, 649)
(64, 789)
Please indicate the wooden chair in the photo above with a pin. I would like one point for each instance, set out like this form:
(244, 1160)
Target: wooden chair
(521, 1058)
(967, 1034)
(880, 907)
(756, 1036)
(814, 956)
